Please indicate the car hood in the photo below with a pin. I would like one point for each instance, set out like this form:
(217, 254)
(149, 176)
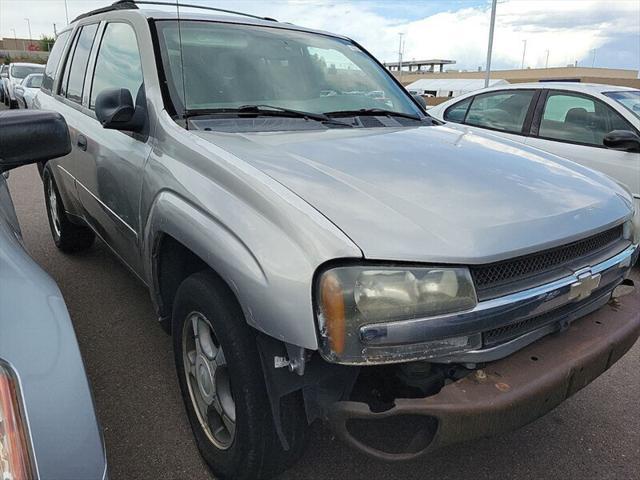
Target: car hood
(435, 194)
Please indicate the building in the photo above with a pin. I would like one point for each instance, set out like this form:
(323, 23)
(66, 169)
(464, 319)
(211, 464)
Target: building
(419, 65)
(613, 76)
(23, 49)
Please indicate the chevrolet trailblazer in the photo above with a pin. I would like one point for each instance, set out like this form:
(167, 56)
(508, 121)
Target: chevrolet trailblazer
(319, 247)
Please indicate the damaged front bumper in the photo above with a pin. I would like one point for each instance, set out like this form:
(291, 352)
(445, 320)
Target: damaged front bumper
(504, 395)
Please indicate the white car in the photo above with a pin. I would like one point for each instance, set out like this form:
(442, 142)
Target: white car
(27, 89)
(13, 76)
(595, 125)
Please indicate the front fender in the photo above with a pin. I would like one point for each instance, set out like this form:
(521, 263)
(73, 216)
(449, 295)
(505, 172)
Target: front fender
(270, 273)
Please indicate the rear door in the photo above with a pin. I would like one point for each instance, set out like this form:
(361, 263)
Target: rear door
(506, 113)
(109, 172)
(573, 125)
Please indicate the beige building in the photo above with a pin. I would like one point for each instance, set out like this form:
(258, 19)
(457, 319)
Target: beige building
(612, 76)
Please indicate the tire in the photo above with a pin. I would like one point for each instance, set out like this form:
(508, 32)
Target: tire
(13, 104)
(251, 449)
(68, 237)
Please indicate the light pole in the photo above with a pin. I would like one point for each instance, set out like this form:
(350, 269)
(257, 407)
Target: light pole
(66, 11)
(593, 61)
(15, 38)
(546, 63)
(29, 25)
(524, 51)
(400, 48)
(490, 46)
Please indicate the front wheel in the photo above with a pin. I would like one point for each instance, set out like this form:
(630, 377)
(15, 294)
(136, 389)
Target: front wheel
(223, 387)
(67, 236)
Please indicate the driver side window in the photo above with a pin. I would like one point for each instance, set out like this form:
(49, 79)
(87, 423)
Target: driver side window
(578, 118)
(118, 64)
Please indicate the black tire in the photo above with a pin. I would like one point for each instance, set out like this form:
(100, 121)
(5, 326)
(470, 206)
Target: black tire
(13, 104)
(256, 451)
(68, 236)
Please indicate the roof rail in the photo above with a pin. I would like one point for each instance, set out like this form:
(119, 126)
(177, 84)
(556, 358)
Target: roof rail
(133, 5)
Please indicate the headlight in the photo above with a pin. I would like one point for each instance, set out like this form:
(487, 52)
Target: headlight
(353, 296)
(15, 461)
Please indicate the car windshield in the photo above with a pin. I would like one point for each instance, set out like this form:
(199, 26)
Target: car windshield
(629, 99)
(21, 71)
(223, 66)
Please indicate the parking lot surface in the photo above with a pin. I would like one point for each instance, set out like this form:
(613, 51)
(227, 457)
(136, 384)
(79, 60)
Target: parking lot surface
(595, 434)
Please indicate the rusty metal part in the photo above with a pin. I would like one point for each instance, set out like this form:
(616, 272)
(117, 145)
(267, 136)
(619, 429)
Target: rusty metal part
(511, 392)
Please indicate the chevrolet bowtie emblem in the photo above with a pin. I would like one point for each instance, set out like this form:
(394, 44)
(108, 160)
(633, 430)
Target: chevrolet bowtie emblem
(587, 283)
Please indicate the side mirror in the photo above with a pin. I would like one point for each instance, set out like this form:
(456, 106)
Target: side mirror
(420, 100)
(624, 140)
(115, 110)
(4, 75)
(30, 136)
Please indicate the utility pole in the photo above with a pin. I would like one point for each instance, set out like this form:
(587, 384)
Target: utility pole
(490, 46)
(593, 61)
(66, 11)
(400, 49)
(55, 32)
(546, 63)
(29, 25)
(524, 51)
(15, 38)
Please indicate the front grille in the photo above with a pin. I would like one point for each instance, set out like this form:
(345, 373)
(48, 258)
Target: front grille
(491, 276)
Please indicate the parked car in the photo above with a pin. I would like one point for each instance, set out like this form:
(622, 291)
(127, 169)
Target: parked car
(13, 76)
(27, 89)
(48, 427)
(321, 256)
(597, 126)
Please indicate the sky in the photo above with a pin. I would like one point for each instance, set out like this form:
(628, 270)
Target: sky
(600, 33)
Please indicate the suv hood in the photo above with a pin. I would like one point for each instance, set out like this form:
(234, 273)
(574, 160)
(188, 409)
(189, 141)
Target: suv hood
(435, 194)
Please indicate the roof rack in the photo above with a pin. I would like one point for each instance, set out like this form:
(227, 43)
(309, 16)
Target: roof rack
(133, 5)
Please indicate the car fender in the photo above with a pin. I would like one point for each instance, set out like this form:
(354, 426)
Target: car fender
(271, 277)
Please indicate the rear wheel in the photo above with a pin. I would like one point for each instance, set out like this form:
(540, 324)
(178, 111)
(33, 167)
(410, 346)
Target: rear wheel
(223, 386)
(67, 236)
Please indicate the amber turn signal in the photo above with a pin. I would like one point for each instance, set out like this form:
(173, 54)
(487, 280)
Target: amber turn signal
(332, 300)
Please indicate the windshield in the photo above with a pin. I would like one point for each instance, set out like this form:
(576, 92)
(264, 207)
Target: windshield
(230, 66)
(21, 71)
(629, 99)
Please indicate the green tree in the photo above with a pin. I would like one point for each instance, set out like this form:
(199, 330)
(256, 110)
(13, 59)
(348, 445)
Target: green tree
(46, 43)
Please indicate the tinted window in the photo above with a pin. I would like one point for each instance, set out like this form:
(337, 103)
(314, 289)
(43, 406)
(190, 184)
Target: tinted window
(457, 112)
(578, 118)
(75, 78)
(505, 110)
(118, 63)
(54, 59)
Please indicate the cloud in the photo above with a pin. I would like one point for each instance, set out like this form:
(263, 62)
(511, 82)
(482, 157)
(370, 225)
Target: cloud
(569, 29)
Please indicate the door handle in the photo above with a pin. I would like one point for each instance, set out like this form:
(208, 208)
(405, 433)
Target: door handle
(82, 142)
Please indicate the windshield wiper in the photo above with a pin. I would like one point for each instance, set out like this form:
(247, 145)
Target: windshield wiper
(266, 110)
(373, 112)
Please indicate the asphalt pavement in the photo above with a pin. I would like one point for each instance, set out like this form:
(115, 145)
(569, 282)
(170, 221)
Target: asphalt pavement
(593, 435)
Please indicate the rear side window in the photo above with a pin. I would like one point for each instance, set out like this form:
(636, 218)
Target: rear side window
(457, 112)
(75, 70)
(504, 111)
(118, 64)
(54, 59)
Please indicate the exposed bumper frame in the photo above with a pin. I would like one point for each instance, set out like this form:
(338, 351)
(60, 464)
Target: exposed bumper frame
(513, 391)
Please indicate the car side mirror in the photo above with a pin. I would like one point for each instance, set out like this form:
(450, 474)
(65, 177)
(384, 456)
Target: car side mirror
(115, 110)
(420, 99)
(4, 75)
(18, 129)
(624, 140)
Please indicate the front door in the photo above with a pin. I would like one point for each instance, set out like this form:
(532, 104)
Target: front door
(573, 126)
(111, 164)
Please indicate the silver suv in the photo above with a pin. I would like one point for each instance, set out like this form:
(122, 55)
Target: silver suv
(320, 248)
